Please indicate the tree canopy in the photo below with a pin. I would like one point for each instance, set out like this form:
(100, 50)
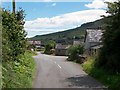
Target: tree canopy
(109, 56)
(13, 45)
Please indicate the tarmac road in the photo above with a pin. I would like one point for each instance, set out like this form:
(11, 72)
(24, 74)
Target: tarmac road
(56, 72)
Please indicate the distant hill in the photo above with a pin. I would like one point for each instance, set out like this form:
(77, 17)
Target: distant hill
(67, 36)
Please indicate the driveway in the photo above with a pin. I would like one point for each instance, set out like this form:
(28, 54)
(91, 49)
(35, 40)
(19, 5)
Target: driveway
(56, 72)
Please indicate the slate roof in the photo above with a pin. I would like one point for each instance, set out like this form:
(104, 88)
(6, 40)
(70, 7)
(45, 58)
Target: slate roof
(94, 35)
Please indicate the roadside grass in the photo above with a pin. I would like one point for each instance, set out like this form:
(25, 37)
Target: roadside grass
(0, 75)
(110, 80)
(33, 53)
(40, 49)
(19, 74)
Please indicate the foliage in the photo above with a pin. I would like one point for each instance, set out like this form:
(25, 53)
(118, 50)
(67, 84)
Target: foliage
(31, 46)
(14, 42)
(17, 66)
(50, 45)
(0, 49)
(109, 56)
(19, 74)
(74, 52)
(110, 80)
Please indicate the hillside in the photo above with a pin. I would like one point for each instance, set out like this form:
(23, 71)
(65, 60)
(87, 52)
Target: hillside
(66, 37)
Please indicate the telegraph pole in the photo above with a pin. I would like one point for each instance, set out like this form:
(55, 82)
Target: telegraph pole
(14, 7)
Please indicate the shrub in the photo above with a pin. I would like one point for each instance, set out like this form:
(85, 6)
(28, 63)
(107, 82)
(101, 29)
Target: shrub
(74, 52)
(19, 74)
(13, 47)
(13, 36)
(50, 45)
(109, 79)
(109, 57)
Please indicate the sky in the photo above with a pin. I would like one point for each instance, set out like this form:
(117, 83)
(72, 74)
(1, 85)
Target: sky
(48, 16)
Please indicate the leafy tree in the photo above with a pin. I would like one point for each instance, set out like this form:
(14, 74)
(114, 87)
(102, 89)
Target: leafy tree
(109, 57)
(13, 44)
(50, 45)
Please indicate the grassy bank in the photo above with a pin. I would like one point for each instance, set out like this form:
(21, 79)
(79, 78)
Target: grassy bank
(110, 80)
(19, 74)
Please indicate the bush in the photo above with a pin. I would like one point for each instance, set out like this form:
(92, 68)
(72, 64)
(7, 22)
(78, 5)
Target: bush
(107, 78)
(16, 66)
(31, 46)
(109, 57)
(49, 46)
(13, 36)
(74, 52)
(19, 74)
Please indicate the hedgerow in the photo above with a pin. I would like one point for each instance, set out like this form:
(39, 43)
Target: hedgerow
(17, 64)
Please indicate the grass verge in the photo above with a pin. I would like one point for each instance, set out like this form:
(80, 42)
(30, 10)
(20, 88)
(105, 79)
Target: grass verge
(19, 74)
(110, 80)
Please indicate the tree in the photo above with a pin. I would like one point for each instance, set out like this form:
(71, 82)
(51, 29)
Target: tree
(13, 33)
(50, 45)
(13, 45)
(109, 56)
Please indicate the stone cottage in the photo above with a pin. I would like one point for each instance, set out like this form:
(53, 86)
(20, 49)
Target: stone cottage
(93, 40)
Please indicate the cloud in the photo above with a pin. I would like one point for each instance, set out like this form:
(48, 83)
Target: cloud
(33, 32)
(97, 4)
(110, 0)
(54, 4)
(63, 22)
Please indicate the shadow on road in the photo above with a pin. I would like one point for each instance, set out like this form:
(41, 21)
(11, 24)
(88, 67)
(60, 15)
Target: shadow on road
(85, 81)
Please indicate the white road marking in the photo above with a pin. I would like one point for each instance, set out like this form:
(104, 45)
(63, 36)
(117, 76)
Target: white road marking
(59, 66)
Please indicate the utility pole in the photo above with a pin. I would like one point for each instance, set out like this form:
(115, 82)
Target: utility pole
(13, 4)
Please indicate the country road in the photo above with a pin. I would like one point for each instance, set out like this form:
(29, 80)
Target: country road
(56, 72)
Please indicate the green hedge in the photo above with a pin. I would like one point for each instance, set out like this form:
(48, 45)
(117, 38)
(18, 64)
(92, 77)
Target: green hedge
(110, 80)
(17, 64)
(19, 74)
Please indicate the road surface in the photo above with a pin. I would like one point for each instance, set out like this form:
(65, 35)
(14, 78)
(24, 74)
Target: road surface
(56, 72)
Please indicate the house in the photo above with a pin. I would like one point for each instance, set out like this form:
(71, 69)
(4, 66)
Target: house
(61, 50)
(78, 42)
(36, 43)
(93, 40)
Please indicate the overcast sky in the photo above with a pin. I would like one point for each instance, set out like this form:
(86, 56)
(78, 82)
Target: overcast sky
(48, 16)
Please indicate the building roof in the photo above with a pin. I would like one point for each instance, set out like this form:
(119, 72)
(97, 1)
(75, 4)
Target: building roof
(94, 35)
(34, 42)
(60, 46)
(97, 47)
